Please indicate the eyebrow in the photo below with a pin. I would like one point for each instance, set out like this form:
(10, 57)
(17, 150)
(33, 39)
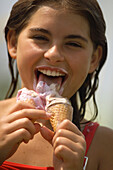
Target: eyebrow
(72, 36)
(77, 37)
(40, 30)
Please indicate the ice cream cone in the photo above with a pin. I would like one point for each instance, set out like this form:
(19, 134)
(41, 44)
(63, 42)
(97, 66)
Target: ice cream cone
(60, 112)
(50, 102)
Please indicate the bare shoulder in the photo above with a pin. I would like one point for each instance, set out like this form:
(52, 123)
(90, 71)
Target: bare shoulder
(103, 132)
(104, 135)
(104, 143)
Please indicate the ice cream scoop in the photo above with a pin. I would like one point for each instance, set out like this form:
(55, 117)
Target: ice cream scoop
(31, 97)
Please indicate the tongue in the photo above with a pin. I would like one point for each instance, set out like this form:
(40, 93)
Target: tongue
(50, 80)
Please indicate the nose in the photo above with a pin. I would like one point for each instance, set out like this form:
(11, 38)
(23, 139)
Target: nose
(54, 55)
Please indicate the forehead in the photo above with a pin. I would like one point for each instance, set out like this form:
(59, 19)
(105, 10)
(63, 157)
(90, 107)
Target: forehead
(58, 17)
(50, 11)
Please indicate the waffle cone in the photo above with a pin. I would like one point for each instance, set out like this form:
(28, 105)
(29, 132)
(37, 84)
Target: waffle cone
(60, 112)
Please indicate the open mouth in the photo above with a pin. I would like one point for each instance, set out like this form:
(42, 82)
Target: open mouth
(51, 75)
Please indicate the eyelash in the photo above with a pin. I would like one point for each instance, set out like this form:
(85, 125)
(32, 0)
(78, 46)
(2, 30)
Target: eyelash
(39, 37)
(73, 44)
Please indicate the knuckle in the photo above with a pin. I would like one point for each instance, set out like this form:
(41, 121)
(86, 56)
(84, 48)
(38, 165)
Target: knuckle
(66, 121)
(77, 156)
(60, 132)
(22, 132)
(29, 126)
(26, 121)
(61, 148)
(25, 135)
(58, 141)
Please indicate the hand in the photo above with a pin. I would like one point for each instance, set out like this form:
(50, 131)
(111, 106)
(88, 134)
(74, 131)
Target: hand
(69, 147)
(18, 126)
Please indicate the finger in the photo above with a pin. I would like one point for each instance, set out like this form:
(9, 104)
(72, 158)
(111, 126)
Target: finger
(47, 134)
(68, 125)
(64, 153)
(68, 134)
(21, 123)
(70, 159)
(65, 142)
(32, 114)
(19, 136)
(20, 105)
(74, 146)
(37, 127)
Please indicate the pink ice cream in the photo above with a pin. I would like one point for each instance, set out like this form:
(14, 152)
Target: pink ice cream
(39, 98)
(31, 97)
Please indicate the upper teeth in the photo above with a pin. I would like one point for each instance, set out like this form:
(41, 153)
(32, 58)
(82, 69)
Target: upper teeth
(51, 73)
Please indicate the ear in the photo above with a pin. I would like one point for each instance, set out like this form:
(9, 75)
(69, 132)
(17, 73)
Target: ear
(96, 57)
(12, 43)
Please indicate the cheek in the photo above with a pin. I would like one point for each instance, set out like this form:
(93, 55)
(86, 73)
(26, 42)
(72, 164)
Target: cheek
(79, 71)
(27, 54)
(80, 65)
(27, 58)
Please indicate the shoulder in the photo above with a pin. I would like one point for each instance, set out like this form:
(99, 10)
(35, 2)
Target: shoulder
(104, 143)
(104, 131)
(104, 135)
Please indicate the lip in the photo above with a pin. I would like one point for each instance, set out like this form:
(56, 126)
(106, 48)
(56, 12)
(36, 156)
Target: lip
(63, 72)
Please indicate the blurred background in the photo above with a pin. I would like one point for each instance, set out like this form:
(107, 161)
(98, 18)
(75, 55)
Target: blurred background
(105, 91)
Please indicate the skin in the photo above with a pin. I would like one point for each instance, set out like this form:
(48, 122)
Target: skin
(66, 148)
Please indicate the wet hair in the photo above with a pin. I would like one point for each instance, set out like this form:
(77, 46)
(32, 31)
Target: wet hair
(90, 9)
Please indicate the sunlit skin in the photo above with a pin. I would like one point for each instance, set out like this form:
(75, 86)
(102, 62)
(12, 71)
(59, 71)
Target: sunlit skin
(55, 40)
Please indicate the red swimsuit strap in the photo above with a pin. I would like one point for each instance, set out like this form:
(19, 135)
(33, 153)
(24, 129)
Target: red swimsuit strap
(16, 166)
(89, 132)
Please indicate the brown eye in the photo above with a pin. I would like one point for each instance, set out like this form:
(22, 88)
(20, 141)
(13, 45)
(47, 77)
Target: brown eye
(40, 38)
(73, 44)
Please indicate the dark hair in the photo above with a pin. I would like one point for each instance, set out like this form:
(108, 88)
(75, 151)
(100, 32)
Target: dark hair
(19, 18)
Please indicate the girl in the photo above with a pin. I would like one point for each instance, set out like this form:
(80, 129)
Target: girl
(65, 37)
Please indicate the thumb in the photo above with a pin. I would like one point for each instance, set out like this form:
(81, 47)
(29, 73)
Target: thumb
(47, 134)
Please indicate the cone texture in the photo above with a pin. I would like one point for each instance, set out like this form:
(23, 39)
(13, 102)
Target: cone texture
(60, 112)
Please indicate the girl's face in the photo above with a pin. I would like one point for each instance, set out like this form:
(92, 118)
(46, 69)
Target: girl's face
(54, 47)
